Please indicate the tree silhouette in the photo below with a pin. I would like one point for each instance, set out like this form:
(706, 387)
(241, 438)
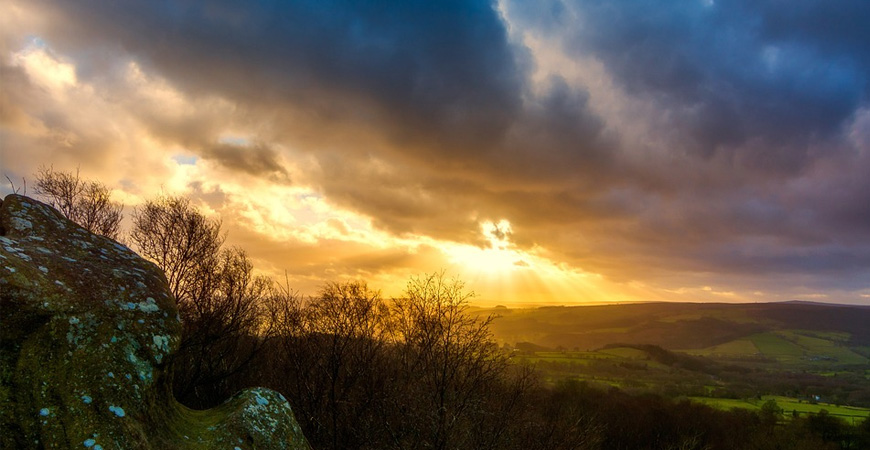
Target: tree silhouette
(87, 203)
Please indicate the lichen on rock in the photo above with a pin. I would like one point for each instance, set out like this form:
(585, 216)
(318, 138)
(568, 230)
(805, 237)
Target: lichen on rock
(88, 330)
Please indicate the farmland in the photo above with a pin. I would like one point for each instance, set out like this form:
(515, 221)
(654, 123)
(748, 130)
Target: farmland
(808, 357)
(790, 407)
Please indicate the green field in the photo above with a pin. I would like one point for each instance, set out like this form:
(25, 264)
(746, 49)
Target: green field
(828, 347)
(735, 348)
(715, 351)
(789, 406)
(791, 347)
(775, 346)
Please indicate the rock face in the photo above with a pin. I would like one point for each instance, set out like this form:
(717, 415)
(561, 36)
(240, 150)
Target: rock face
(88, 328)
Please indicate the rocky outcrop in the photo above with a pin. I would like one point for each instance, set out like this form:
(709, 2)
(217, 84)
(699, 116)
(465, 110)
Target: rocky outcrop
(88, 328)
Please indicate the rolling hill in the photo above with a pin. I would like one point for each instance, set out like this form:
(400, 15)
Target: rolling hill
(790, 328)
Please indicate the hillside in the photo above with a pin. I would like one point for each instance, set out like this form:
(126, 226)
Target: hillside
(678, 326)
(807, 352)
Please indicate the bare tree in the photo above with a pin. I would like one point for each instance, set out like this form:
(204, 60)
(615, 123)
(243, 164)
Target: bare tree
(449, 361)
(333, 359)
(220, 300)
(415, 372)
(87, 203)
(223, 332)
(184, 243)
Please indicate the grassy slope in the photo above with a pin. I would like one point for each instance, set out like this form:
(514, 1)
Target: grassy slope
(788, 332)
(787, 404)
(727, 349)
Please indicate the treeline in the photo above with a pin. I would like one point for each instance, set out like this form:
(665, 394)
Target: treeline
(414, 372)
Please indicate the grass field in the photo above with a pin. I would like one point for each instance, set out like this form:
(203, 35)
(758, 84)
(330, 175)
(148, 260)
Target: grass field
(700, 350)
(777, 347)
(823, 347)
(792, 347)
(789, 406)
(739, 347)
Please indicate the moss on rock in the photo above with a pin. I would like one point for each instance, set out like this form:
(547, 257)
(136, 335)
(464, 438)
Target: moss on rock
(88, 328)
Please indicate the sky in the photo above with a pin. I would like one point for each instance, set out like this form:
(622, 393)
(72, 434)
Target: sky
(547, 152)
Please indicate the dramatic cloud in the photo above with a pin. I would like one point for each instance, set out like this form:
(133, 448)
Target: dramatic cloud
(551, 151)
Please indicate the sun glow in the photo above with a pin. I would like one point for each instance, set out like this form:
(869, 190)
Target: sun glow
(501, 272)
(498, 258)
(488, 261)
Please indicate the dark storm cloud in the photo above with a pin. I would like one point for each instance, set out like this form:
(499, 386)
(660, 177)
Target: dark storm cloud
(429, 66)
(760, 99)
(437, 82)
(423, 116)
(256, 159)
(833, 28)
(758, 79)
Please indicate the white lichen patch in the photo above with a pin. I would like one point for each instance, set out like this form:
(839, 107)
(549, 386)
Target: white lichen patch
(75, 331)
(83, 245)
(161, 343)
(264, 411)
(117, 410)
(260, 399)
(142, 368)
(20, 224)
(118, 273)
(15, 251)
(161, 347)
(149, 305)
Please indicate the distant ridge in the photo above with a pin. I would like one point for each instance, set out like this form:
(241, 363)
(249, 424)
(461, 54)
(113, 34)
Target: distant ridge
(674, 326)
(808, 302)
(528, 306)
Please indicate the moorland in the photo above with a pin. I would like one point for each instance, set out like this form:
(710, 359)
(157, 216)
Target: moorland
(805, 357)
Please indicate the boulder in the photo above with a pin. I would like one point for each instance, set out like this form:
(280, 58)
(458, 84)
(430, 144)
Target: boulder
(88, 331)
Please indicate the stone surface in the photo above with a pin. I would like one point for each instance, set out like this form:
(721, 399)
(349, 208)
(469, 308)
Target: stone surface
(88, 328)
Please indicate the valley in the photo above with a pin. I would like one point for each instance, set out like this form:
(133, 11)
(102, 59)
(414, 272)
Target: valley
(805, 357)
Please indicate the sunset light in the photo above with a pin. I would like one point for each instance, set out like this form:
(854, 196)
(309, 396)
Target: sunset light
(561, 154)
(435, 224)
